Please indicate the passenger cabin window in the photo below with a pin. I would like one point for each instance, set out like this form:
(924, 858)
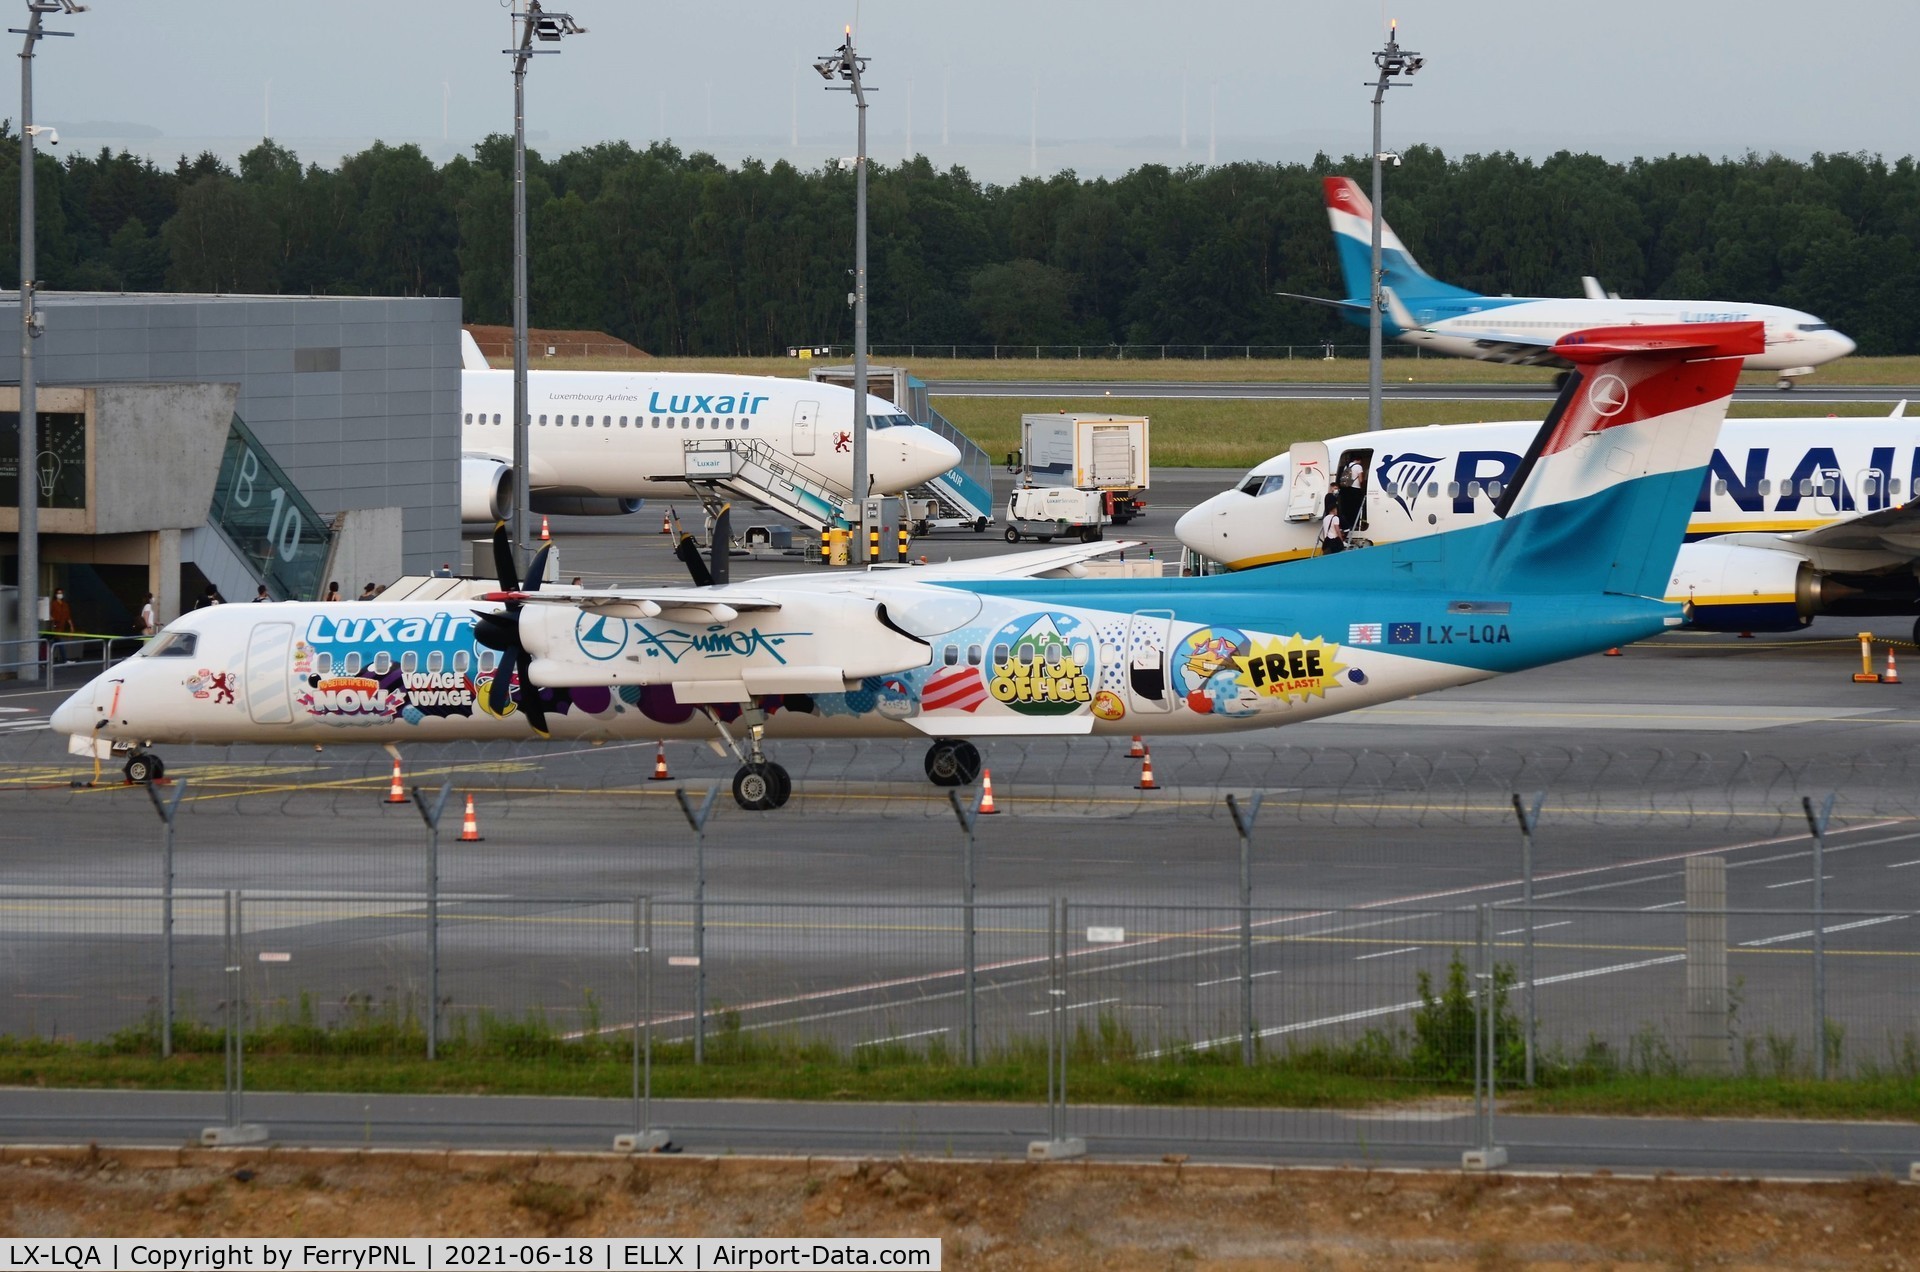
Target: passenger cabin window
(950, 655)
(1766, 485)
(1720, 486)
(460, 662)
(352, 667)
(973, 655)
(1453, 490)
(437, 661)
(487, 661)
(323, 663)
(173, 645)
(410, 661)
(382, 663)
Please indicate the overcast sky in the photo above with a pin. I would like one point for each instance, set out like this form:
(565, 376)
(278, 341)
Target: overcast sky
(1103, 79)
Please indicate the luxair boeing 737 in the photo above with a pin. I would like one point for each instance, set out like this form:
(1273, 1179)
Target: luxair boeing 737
(1576, 560)
(1421, 310)
(601, 441)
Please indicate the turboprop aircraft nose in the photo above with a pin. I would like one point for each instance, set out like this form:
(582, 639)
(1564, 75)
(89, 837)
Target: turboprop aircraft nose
(74, 717)
(904, 457)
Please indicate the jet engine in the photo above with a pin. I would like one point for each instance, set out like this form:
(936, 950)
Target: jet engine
(486, 489)
(1734, 587)
(583, 506)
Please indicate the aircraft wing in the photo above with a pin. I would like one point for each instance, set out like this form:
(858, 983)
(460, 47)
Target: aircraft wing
(711, 605)
(1045, 563)
(1353, 306)
(1895, 530)
(1518, 349)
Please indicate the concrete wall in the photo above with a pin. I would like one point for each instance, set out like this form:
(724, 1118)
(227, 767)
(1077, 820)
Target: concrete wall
(156, 453)
(358, 399)
(366, 549)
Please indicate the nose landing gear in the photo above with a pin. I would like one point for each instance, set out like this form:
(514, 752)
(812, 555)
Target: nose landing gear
(143, 767)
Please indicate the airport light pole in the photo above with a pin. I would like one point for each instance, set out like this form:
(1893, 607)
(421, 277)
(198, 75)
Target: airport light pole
(845, 64)
(1392, 61)
(530, 23)
(28, 483)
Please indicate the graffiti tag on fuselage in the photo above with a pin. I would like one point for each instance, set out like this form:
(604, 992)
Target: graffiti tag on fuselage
(716, 641)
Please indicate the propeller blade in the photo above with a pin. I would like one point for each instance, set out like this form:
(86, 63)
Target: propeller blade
(503, 557)
(690, 556)
(530, 707)
(537, 571)
(719, 570)
(498, 689)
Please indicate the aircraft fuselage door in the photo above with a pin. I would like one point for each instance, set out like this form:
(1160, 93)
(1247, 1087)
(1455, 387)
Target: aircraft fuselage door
(804, 416)
(1307, 464)
(1149, 634)
(267, 674)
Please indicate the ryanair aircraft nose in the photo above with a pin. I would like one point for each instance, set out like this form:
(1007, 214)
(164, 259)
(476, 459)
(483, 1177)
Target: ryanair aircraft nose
(906, 455)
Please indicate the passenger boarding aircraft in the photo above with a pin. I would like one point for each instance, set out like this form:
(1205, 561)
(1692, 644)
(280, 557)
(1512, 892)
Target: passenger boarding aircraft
(1421, 310)
(1796, 518)
(1576, 561)
(602, 441)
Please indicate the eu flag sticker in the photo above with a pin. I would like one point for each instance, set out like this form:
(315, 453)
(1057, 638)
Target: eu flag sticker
(1403, 633)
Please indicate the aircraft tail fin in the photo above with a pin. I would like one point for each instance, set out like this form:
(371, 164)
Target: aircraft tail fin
(1351, 214)
(1601, 499)
(471, 359)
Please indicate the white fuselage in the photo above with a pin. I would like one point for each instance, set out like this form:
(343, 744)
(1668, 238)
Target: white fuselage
(1768, 478)
(626, 435)
(1796, 341)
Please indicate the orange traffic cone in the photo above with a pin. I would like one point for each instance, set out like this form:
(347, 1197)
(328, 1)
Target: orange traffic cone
(986, 792)
(470, 828)
(1893, 672)
(666, 523)
(1138, 750)
(1614, 652)
(1146, 782)
(545, 535)
(660, 773)
(397, 793)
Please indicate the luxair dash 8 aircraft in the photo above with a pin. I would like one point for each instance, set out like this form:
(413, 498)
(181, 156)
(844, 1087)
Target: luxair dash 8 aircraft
(1796, 517)
(1577, 560)
(602, 441)
(1422, 310)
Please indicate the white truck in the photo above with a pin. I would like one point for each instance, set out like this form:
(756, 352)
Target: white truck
(1049, 512)
(1102, 453)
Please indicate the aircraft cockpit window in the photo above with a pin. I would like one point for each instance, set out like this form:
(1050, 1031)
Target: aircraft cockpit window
(1816, 326)
(173, 645)
(1272, 484)
(1251, 486)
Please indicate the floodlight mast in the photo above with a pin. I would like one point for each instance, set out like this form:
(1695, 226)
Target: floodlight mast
(846, 64)
(530, 23)
(1392, 61)
(27, 625)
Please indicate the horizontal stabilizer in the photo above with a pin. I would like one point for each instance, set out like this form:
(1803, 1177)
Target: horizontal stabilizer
(1678, 339)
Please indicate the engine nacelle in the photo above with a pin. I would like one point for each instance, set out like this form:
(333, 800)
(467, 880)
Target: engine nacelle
(583, 506)
(1734, 587)
(486, 489)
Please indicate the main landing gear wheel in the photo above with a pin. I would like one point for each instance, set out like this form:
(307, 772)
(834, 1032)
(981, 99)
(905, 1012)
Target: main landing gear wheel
(760, 785)
(952, 762)
(1783, 383)
(143, 767)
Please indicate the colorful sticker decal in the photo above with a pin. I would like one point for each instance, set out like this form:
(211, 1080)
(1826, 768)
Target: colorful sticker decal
(1291, 669)
(1041, 664)
(1205, 675)
(897, 700)
(956, 688)
(207, 683)
(1363, 633)
(1107, 705)
(353, 699)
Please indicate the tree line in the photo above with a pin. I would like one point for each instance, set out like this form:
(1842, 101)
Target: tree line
(681, 254)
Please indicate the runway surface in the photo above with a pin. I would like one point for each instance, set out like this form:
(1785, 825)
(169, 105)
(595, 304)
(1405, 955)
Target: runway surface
(1382, 836)
(1811, 392)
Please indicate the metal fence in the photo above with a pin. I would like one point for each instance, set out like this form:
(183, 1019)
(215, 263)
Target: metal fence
(1129, 945)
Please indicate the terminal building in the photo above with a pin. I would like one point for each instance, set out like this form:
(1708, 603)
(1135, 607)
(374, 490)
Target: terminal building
(189, 442)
